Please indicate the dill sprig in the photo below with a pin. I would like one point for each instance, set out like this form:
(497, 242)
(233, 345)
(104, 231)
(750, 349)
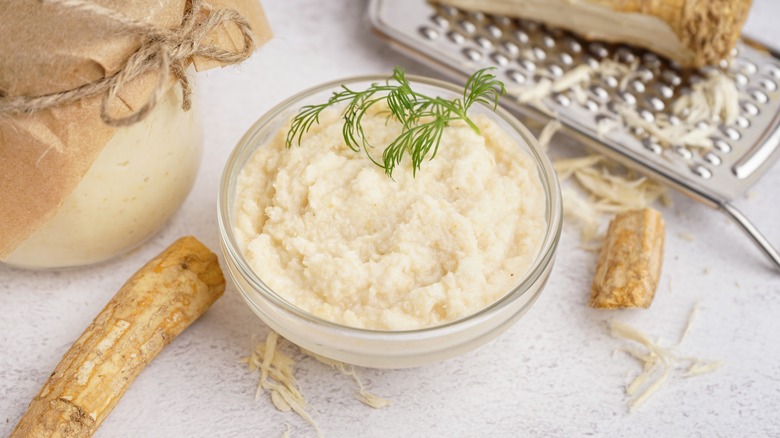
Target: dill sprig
(423, 118)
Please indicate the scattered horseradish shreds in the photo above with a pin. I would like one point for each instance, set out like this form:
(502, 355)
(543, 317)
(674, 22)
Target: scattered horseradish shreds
(277, 377)
(657, 362)
(695, 115)
(610, 188)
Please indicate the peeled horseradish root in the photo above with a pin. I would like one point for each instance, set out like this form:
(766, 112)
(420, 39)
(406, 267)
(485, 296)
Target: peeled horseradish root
(692, 33)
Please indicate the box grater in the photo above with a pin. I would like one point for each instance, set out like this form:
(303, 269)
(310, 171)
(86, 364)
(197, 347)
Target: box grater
(458, 43)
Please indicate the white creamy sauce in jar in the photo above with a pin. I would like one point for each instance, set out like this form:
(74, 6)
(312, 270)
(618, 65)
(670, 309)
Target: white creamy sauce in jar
(139, 180)
(327, 230)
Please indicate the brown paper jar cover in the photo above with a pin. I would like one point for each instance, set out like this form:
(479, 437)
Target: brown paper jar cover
(46, 48)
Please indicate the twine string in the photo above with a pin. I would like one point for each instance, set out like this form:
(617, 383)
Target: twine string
(163, 51)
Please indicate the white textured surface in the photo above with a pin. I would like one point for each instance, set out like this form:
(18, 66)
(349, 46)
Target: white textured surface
(553, 374)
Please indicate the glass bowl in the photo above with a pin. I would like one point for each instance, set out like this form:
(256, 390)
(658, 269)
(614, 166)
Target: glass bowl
(374, 348)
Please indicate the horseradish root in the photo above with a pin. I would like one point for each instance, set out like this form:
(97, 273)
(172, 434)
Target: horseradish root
(691, 32)
(161, 300)
(629, 265)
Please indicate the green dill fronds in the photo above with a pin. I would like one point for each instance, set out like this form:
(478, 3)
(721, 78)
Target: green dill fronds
(422, 118)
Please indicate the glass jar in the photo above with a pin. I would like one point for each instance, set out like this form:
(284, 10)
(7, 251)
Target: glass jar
(384, 348)
(138, 181)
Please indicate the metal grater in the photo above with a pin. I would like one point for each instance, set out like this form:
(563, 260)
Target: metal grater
(458, 43)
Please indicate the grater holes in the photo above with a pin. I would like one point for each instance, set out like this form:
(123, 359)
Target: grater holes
(613, 107)
(573, 45)
(476, 16)
(759, 96)
(555, 70)
(730, 133)
(566, 59)
(450, 11)
(712, 158)
(472, 54)
(628, 98)
(600, 93)
(516, 76)
(591, 61)
(625, 55)
(591, 106)
(773, 70)
(652, 145)
(562, 99)
(651, 60)
(467, 26)
(682, 151)
(556, 33)
(483, 42)
(499, 59)
(744, 66)
(671, 78)
(611, 81)
(647, 116)
(645, 74)
(440, 21)
(548, 41)
(510, 48)
(721, 145)
(655, 103)
(741, 80)
(749, 108)
(502, 21)
(521, 36)
(742, 122)
(493, 31)
(601, 118)
(768, 84)
(456, 37)
(664, 90)
(637, 86)
(637, 131)
(527, 65)
(674, 65)
(530, 26)
(701, 170)
(429, 32)
(539, 54)
(598, 50)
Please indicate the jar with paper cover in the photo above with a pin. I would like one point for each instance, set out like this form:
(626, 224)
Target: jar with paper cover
(100, 142)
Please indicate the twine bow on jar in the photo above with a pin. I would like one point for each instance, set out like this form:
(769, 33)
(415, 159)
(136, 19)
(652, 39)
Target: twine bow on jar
(165, 51)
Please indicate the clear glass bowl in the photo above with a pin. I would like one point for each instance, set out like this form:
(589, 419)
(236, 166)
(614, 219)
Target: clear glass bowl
(372, 348)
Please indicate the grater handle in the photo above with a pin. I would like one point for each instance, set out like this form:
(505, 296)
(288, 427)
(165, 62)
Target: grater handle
(752, 232)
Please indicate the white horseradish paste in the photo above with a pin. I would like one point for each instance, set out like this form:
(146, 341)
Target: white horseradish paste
(326, 229)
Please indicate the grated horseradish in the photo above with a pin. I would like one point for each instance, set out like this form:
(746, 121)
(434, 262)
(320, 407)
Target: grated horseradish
(326, 229)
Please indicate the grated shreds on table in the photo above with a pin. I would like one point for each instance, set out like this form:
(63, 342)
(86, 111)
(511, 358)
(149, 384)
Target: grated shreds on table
(277, 377)
(604, 188)
(657, 362)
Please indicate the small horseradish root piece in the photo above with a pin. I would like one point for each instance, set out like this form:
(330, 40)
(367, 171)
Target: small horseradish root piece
(630, 261)
(161, 300)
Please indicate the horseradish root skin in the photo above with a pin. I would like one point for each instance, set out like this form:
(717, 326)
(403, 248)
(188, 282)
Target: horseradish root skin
(161, 300)
(630, 261)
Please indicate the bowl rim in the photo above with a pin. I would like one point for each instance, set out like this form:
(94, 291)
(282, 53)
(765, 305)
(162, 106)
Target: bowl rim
(545, 256)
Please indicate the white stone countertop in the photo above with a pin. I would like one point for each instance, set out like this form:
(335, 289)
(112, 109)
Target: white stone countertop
(555, 373)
